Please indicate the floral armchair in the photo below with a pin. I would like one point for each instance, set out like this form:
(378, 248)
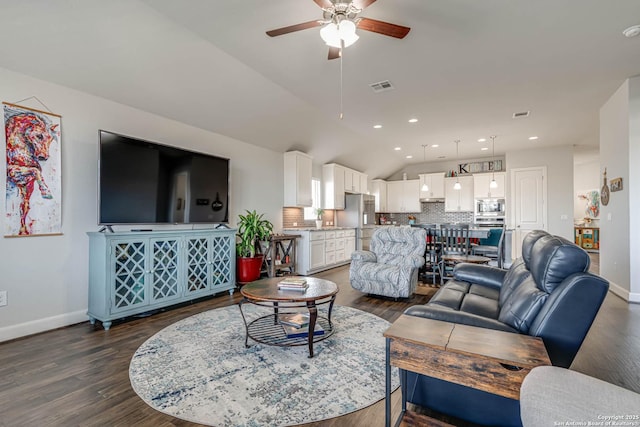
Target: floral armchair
(391, 266)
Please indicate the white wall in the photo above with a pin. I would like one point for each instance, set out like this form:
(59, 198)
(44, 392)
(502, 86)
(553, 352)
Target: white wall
(559, 163)
(46, 277)
(620, 155)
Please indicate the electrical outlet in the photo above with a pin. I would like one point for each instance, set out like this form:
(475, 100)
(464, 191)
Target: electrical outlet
(295, 224)
(3, 298)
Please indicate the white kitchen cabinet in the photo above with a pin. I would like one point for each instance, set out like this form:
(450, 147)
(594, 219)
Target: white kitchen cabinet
(364, 185)
(435, 182)
(482, 189)
(297, 179)
(351, 181)
(403, 196)
(333, 178)
(458, 200)
(319, 250)
(379, 191)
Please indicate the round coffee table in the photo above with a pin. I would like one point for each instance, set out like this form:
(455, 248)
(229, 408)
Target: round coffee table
(268, 329)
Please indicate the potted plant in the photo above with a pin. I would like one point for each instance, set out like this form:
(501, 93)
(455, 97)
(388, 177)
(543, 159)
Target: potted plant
(252, 228)
(318, 212)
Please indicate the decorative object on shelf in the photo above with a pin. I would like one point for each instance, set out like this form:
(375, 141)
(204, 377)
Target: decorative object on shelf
(318, 212)
(592, 199)
(33, 142)
(604, 193)
(252, 228)
(616, 184)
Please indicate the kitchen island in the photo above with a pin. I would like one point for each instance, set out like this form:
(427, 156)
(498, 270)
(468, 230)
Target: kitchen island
(322, 248)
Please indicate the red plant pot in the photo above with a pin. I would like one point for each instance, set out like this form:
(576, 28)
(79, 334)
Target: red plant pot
(248, 269)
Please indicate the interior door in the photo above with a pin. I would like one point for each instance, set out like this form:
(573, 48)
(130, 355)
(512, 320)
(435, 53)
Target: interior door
(529, 200)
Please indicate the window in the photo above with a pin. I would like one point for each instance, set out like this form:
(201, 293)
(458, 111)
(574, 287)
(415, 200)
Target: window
(309, 213)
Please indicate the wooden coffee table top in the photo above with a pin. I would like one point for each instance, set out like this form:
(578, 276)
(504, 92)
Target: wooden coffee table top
(267, 290)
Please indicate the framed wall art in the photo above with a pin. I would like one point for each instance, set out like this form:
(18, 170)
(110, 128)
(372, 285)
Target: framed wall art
(33, 178)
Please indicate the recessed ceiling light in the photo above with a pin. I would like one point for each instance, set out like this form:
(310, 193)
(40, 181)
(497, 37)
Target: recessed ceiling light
(377, 126)
(632, 31)
(435, 146)
(397, 148)
(533, 138)
(484, 148)
(413, 120)
(482, 139)
(409, 156)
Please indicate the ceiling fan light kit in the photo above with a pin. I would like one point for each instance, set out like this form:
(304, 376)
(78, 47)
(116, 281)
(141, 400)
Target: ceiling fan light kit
(339, 23)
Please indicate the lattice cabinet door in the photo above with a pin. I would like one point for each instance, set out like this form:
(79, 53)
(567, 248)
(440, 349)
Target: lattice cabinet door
(129, 274)
(198, 264)
(164, 260)
(222, 260)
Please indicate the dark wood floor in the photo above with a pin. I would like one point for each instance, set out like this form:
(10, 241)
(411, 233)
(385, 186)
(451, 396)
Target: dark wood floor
(78, 375)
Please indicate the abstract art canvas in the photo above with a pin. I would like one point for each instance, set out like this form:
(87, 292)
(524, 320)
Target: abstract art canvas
(33, 186)
(592, 203)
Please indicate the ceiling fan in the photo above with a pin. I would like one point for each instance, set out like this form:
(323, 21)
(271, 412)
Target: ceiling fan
(340, 19)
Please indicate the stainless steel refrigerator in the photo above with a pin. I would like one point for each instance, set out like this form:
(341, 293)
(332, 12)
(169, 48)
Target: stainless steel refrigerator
(359, 212)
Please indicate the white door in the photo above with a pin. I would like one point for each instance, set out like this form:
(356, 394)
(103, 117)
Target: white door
(529, 200)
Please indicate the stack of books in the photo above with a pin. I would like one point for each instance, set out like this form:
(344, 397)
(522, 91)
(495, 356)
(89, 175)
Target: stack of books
(293, 283)
(296, 325)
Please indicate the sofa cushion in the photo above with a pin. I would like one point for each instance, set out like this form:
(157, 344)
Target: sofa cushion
(521, 308)
(528, 242)
(448, 297)
(514, 277)
(484, 291)
(482, 306)
(554, 259)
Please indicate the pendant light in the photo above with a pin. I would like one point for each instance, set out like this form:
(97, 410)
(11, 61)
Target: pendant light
(424, 187)
(457, 185)
(493, 183)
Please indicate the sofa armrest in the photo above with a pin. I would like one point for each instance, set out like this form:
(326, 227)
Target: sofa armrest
(435, 312)
(414, 261)
(550, 395)
(480, 274)
(364, 256)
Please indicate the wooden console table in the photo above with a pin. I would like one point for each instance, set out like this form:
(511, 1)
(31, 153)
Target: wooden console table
(280, 254)
(484, 359)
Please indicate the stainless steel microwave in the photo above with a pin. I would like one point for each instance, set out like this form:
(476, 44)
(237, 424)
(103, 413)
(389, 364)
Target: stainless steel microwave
(490, 207)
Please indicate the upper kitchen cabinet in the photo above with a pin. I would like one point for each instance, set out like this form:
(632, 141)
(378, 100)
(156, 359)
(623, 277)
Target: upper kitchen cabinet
(297, 179)
(379, 191)
(435, 182)
(364, 186)
(458, 200)
(333, 178)
(482, 182)
(403, 196)
(354, 181)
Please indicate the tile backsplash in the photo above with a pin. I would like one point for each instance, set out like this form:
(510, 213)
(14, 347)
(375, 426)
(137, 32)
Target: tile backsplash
(432, 212)
(291, 216)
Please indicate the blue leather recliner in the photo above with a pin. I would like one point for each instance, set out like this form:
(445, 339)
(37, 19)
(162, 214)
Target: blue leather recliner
(546, 293)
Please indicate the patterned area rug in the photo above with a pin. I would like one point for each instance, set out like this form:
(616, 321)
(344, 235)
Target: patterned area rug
(199, 370)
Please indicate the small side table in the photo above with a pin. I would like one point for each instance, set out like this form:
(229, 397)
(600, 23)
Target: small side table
(484, 359)
(280, 254)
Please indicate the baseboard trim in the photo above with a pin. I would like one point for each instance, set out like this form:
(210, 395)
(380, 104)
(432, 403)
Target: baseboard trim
(624, 294)
(42, 325)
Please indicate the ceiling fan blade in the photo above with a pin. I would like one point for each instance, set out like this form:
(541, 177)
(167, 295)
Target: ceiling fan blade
(385, 28)
(293, 28)
(361, 4)
(334, 52)
(324, 3)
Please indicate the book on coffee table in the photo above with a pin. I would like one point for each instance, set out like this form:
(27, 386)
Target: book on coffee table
(295, 320)
(295, 283)
(293, 332)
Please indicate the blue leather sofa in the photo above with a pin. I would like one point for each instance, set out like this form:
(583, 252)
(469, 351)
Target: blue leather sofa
(546, 293)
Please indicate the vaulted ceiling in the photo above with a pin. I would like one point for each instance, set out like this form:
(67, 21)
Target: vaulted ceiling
(463, 70)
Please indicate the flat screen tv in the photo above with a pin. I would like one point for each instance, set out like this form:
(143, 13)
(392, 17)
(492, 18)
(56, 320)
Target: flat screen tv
(142, 182)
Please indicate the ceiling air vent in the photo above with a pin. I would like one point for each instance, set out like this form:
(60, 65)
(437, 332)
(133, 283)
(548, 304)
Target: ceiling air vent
(381, 86)
(521, 114)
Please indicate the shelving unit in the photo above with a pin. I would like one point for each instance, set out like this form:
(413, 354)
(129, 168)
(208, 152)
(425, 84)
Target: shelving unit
(280, 255)
(588, 238)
